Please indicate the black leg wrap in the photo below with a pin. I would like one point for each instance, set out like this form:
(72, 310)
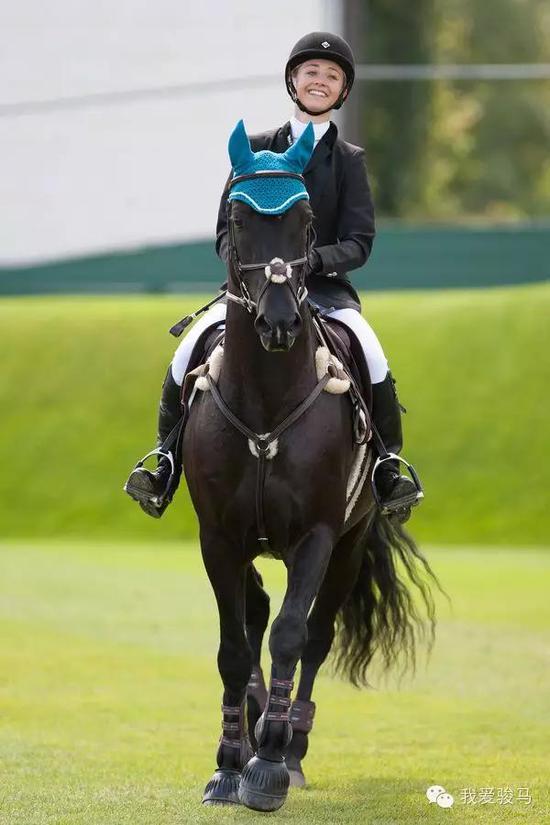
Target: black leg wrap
(256, 694)
(302, 713)
(234, 751)
(273, 731)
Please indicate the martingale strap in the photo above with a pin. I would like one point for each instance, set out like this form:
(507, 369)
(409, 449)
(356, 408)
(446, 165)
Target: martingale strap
(263, 442)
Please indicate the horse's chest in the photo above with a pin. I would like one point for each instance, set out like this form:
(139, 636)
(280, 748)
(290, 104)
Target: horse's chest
(302, 479)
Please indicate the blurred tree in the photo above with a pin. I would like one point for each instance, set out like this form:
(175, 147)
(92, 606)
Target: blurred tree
(397, 115)
(443, 150)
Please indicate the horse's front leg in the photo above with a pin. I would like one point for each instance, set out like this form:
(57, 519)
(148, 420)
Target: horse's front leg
(265, 779)
(257, 617)
(227, 572)
(338, 583)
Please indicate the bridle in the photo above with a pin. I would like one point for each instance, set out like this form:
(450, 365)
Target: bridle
(276, 271)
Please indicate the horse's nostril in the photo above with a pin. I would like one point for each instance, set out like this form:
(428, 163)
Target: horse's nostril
(296, 325)
(262, 325)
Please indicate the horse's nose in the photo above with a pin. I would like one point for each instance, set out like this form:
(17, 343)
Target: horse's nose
(296, 326)
(278, 335)
(262, 326)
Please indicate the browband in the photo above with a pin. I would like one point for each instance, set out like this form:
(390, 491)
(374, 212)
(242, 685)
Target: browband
(265, 174)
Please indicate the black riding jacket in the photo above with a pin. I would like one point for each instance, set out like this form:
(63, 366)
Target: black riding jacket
(340, 197)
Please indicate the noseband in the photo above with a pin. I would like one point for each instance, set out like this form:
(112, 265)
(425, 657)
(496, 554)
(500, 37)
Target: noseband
(276, 271)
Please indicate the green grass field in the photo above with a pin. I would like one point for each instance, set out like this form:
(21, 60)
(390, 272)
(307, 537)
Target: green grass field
(81, 377)
(110, 696)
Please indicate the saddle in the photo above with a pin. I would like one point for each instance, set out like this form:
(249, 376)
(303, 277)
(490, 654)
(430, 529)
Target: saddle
(340, 341)
(202, 351)
(346, 347)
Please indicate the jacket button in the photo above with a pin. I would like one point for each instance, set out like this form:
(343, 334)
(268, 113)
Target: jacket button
(332, 274)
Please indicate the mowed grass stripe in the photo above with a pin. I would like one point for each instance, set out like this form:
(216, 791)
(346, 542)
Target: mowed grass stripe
(110, 695)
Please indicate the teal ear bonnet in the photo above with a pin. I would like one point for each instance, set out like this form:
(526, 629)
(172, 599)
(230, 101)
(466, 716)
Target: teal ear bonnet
(269, 195)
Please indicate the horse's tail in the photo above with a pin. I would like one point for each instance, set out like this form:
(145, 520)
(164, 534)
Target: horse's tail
(381, 614)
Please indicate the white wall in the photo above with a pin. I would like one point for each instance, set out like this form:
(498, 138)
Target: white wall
(117, 173)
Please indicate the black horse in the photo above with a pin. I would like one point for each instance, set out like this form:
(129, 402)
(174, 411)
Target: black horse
(267, 457)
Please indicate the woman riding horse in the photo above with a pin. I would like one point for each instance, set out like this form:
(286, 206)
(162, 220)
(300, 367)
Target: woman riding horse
(319, 76)
(274, 463)
(271, 459)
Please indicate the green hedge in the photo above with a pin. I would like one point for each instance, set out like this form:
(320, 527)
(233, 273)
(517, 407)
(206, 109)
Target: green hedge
(81, 376)
(405, 256)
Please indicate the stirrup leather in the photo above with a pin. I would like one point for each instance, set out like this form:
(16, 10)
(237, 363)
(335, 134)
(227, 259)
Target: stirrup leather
(390, 507)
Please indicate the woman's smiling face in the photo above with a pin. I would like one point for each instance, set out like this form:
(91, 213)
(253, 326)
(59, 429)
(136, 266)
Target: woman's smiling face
(318, 84)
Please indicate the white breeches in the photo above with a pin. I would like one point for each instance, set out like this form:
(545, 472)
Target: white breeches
(183, 352)
(374, 354)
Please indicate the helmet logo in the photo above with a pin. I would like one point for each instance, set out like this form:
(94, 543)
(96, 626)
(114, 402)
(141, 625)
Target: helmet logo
(325, 45)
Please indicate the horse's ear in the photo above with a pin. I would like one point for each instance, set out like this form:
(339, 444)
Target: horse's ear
(240, 153)
(299, 153)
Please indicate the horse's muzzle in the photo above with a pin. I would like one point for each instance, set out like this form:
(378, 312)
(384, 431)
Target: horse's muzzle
(279, 336)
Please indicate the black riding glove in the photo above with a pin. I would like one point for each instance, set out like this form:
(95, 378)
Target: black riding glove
(314, 262)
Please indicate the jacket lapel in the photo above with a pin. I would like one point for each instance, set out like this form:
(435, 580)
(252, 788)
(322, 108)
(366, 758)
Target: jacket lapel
(323, 149)
(283, 139)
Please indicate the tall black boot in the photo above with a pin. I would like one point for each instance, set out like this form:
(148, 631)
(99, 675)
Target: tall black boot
(154, 490)
(395, 493)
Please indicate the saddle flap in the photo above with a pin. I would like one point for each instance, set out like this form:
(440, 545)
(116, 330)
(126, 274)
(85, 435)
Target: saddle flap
(203, 349)
(347, 348)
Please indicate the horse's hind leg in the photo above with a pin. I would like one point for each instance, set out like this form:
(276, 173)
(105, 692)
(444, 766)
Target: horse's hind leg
(257, 617)
(227, 575)
(339, 580)
(265, 779)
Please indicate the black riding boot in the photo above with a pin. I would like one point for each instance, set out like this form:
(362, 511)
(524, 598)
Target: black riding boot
(154, 490)
(396, 493)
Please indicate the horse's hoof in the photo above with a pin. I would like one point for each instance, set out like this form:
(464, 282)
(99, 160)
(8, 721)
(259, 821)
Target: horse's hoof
(297, 779)
(264, 784)
(223, 788)
(294, 765)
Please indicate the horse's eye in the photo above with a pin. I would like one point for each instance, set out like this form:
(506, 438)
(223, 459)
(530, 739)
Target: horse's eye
(238, 223)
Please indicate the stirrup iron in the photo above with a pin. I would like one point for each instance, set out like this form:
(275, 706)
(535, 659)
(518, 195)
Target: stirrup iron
(389, 508)
(157, 501)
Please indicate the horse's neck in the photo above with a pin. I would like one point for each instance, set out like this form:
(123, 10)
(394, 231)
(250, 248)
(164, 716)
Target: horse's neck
(264, 386)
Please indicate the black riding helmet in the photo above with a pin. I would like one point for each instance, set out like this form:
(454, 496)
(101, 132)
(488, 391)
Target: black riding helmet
(329, 47)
